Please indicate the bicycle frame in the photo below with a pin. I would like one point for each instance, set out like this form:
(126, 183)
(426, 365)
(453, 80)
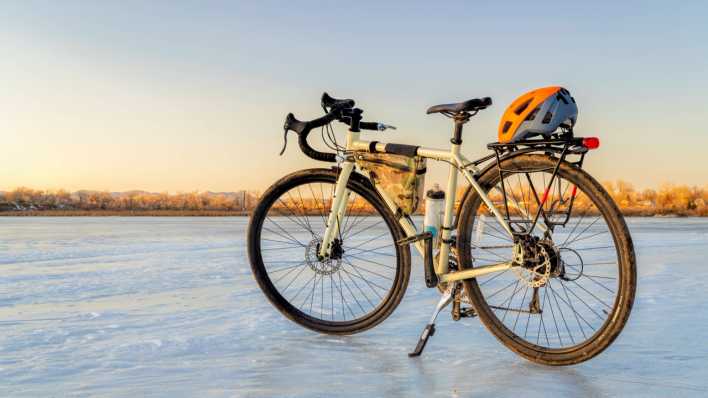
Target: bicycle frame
(457, 163)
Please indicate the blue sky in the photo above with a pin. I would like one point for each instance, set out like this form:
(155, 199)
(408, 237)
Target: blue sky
(185, 95)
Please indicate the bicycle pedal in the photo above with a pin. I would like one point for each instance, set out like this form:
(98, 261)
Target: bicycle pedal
(468, 312)
(431, 279)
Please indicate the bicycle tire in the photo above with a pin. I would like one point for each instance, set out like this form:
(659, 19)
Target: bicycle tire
(626, 262)
(275, 296)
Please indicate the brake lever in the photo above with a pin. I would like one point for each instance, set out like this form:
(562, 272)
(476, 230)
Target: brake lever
(285, 141)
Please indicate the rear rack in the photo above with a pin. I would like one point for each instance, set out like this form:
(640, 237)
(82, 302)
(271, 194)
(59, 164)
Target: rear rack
(557, 146)
(574, 145)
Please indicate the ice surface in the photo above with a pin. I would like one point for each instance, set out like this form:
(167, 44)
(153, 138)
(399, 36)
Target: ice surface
(168, 307)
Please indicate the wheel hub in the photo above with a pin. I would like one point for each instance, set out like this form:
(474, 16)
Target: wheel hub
(327, 266)
(536, 261)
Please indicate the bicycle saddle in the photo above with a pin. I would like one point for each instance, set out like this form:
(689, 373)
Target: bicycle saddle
(475, 104)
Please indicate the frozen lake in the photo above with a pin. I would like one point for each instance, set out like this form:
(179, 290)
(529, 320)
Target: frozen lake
(168, 307)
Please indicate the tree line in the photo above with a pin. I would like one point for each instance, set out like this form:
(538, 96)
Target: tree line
(26, 199)
(668, 199)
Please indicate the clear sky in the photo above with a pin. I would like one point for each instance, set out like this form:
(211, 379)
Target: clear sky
(191, 95)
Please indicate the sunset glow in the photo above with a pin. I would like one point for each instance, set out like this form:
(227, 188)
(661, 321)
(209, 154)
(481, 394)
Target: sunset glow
(193, 98)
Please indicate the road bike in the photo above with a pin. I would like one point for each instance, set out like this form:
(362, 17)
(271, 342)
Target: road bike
(535, 247)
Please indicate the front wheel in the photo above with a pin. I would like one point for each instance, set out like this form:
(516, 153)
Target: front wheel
(367, 274)
(571, 289)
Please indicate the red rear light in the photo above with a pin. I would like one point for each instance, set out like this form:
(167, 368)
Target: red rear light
(591, 142)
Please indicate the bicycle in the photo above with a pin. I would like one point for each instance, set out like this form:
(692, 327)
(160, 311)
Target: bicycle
(331, 249)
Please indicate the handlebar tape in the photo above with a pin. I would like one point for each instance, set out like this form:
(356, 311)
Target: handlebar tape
(303, 130)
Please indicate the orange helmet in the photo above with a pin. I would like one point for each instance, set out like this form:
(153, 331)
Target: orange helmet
(538, 112)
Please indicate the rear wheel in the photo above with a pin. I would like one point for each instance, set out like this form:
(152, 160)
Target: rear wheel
(573, 291)
(363, 281)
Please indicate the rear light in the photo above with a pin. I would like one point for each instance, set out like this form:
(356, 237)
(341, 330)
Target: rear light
(591, 142)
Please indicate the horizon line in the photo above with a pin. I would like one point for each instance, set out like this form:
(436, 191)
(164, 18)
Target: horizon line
(604, 183)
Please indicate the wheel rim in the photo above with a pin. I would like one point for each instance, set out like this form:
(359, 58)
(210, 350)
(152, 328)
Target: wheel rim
(572, 307)
(346, 289)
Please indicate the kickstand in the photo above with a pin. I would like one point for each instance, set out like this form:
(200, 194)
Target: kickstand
(430, 327)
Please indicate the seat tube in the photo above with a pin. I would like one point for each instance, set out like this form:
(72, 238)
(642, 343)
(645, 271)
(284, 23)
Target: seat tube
(442, 265)
(339, 206)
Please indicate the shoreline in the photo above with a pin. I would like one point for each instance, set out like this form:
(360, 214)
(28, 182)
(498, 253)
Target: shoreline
(231, 213)
(125, 213)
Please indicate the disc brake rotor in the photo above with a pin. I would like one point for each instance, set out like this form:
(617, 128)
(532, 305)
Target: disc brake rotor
(536, 273)
(326, 267)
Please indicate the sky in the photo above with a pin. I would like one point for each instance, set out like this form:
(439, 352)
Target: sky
(191, 95)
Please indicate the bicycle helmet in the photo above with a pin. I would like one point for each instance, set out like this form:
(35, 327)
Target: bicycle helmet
(538, 112)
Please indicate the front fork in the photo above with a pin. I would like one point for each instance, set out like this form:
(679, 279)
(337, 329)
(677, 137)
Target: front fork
(336, 212)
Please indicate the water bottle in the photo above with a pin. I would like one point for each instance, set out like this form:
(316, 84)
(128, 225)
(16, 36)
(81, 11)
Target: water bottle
(434, 210)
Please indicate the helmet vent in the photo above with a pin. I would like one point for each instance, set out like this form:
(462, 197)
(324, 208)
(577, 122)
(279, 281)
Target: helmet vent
(532, 115)
(507, 124)
(562, 98)
(547, 118)
(523, 106)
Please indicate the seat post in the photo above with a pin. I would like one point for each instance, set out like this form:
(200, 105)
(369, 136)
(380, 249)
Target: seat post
(460, 119)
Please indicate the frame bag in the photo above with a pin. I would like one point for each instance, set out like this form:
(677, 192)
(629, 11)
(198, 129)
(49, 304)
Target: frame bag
(400, 177)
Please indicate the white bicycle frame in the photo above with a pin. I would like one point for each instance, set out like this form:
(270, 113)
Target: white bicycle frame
(457, 163)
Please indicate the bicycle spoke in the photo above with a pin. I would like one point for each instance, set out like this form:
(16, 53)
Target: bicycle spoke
(350, 292)
(520, 306)
(583, 231)
(578, 239)
(371, 272)
(371, 262)
(294, 279)
(572, 308)
(592, 279)
(357, 286)
(368, 282)
(553, 315)
(285, 234)
(541, 324)
(291, 243)
(370, 240)
(296, 220)
(560, 310)
(591, 294)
